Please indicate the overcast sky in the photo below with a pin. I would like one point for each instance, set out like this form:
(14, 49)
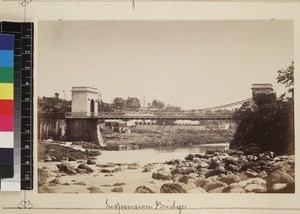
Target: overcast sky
(192, 64)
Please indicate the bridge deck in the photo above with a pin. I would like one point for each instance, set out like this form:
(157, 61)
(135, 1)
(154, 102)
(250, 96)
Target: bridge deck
(151, 117)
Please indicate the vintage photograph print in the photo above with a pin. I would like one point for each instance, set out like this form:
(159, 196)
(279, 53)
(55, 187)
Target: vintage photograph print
(166, 107)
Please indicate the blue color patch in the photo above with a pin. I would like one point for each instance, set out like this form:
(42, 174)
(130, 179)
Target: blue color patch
(6, 42)
(6, 58)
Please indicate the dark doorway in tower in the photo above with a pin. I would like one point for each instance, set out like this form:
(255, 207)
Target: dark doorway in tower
(92, 106)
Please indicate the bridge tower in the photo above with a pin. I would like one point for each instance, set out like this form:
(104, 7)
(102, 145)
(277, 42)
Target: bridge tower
(85, 101)
(82, 122)
(265, 88)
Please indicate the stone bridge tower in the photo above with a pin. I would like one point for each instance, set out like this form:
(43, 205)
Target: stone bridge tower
(82, 122)
(85, 101)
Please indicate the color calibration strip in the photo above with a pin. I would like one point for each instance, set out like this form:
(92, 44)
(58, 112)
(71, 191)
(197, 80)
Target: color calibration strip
(23, 106)
(6, 106)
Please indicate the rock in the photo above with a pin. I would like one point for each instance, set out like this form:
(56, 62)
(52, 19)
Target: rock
(146, 169)
(189, 185)
(262, 175)
(278, 176)
(279, 186)
(81, 183)
(209, 183)
(108, 175)
(133, 164)
(81, 171)
(202, 165)
(106, 171)
(94, 189)
(235, 152)
(217, 171)
(196, 160)
(232, 167)
(210, 151)
(119, 184)
(256, 188)
(55, 181)
(200, 156)
(66, 168)
(182, 170)
(229, 179)
(231, 160)
(110, 165)
(185, 179)
(162, 175)
(251, 173)
(86, 167)
(197, 190)
(66, 184)
(42, 176)
(172, 188)
(143, 189)
(132, 167)
(72, 159)
(117, 189)
(258, 181)
(270, 154)
(190, 157)
(91, 162)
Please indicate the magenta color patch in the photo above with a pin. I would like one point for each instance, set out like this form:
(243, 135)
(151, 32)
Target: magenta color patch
(7, 123)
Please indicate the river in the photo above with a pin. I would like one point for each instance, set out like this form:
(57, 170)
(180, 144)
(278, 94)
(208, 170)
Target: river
(156, 155)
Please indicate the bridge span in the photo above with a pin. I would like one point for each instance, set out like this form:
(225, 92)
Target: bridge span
(126, 117)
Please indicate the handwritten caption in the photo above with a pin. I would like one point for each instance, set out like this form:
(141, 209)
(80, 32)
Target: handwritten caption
(157, 205)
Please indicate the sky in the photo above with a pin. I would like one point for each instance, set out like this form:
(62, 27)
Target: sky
(191, 64)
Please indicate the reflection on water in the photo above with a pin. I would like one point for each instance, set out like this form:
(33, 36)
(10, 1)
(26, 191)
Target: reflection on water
(153, 155)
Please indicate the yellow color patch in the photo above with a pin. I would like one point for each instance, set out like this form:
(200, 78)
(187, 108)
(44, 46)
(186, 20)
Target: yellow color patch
(6, 91)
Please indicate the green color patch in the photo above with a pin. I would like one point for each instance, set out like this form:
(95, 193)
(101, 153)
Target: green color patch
(6, 75)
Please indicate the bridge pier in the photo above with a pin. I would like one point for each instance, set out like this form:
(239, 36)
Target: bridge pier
(83, 129)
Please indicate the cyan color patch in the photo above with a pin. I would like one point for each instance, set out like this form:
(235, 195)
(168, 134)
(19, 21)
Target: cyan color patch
(6, 42)
(6, 58)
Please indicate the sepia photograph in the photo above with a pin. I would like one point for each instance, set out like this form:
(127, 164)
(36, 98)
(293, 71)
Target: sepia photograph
(165, 106)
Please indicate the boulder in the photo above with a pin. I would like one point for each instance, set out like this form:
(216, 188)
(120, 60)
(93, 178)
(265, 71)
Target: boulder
(107, 171)
(81, 183)
(231, 160)
(217, 171)
(143, 189)
(91, 162)
(117, 189)
(47, 159)
(251, 173)
(81, 171)
(55, 181)
(232, 167)
(209, 183)
(86, 167)
(229, 179)
(119, 184)
(146, 169)
(66, 168)
(279, 186)
(255, 188)
(210, 151)
(172, 188)
(185, 179)
(190, 157)
(258, 181)
(202, 165)
(94, 189)
(72, 159)
(262, 175)
(162, 175)
(182, 170)
(278, 176)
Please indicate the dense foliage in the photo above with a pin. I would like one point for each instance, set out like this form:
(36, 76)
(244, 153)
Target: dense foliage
(269, 122)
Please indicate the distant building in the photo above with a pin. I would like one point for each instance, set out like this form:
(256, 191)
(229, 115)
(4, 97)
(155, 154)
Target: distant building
(265, 88)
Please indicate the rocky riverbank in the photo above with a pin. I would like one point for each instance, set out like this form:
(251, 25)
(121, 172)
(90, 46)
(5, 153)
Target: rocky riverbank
(213, 172)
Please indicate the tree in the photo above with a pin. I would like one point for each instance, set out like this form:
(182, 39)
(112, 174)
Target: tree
(172, 108)
(133, 103)
(269, 121)
(286, 77)
(119, 103)
(158, 104)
